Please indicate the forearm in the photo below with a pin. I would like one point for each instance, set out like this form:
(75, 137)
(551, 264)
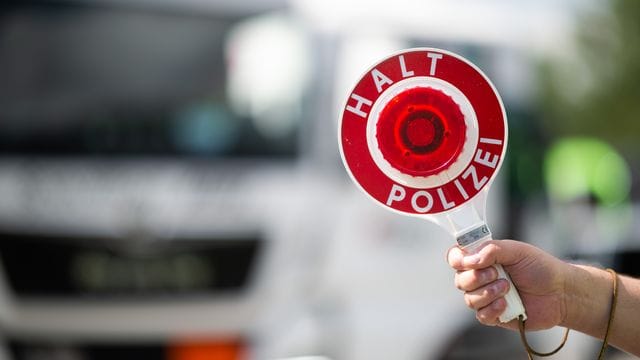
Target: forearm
(588, 300)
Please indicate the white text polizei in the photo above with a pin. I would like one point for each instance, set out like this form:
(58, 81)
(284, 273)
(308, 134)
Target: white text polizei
(422, 201)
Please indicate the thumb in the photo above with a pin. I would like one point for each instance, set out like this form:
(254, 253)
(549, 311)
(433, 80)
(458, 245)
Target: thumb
(505, 252)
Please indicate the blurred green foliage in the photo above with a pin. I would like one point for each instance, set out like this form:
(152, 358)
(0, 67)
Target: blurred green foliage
(578, 167)
(597, 91)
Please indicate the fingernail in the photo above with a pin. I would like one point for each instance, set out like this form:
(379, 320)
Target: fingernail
(502, 287)
(488, 275)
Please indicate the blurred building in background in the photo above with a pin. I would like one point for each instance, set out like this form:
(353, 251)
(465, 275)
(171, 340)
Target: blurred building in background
(171, 185)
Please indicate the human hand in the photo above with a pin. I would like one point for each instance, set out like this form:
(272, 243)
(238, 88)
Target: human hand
(539, 277)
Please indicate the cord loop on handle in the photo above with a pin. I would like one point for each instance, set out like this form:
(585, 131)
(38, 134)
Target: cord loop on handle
(612, 313)
(605, 342)
(530, 350)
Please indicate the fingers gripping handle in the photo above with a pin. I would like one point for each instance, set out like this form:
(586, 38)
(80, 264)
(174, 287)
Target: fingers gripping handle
(471, 243)
(515, 308)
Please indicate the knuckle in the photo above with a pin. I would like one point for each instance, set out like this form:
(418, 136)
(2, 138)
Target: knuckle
(484, 319)
(456, 282)
(462, 281)
(491, 248)
(453, 258)
(468, 301)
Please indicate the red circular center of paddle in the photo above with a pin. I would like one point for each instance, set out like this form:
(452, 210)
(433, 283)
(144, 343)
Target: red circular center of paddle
(421, 131)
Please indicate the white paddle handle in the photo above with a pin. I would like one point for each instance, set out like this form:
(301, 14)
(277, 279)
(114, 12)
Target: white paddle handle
(515, 308)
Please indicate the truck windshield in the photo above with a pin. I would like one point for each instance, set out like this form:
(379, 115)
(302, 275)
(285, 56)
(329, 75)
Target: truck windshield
(99, 80)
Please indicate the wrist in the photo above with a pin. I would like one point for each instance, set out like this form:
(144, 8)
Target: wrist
(586, 299)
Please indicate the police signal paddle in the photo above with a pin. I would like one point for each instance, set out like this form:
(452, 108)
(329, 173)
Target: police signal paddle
(423, 133)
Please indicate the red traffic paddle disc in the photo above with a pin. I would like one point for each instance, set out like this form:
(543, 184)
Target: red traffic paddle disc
(423, 131)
